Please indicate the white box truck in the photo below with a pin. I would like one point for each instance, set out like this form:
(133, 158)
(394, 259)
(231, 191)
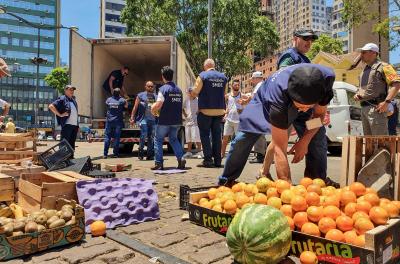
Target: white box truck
(92, 60)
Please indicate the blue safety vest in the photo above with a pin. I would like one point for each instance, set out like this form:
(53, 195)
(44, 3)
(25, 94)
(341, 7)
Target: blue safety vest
(171, 110)
(212, 95)
(115, 108)
(296, 56)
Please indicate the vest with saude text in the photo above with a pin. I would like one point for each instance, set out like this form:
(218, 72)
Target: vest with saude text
(171, 110)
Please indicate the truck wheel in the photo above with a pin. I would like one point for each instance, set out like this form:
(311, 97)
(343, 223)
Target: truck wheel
(126, 148)
(335, 150)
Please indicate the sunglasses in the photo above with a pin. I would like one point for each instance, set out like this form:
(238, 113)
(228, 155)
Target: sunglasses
(308, 38)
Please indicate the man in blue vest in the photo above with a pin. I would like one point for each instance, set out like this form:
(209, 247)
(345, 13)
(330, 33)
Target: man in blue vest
(210, 88)
(275, 107)
(141, 114)
(66, 110)
(114, 121)
(168, 108)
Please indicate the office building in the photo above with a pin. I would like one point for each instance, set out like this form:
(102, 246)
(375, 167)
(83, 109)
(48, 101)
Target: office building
(360, 35)
(18, 44)
(110, 23)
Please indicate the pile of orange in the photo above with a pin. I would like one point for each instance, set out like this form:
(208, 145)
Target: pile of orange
(311, 207)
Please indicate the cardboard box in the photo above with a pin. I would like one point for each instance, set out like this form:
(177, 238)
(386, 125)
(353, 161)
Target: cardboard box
(41, 190)
(382, 243)
(17, 246)
(7, 188)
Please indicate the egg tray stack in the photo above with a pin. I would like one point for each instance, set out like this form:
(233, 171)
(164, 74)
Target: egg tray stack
(118, 201)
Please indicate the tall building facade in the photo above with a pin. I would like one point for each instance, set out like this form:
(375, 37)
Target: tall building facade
(110, 22)
(358, 36)
(293, 14)
(18, 44)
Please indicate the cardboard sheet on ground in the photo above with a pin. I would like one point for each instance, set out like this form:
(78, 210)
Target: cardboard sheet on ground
(171, 171)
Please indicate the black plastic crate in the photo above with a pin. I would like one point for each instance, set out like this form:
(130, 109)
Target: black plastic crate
(81, 165)
(56, 154)
(101, 174)
(185, 191)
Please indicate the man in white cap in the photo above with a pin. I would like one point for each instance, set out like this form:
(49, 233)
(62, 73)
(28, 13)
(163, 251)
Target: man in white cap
(379, 84)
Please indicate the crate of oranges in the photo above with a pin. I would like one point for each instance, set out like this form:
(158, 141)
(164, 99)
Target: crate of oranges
(347, 225)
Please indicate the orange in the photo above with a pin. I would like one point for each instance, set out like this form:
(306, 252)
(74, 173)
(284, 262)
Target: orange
(363, 206)
(310, 229)
(350, 209)
(212, 193)
(260, 198)
(347, 188)
(344, 223)
(272, 192)
(300, 218)
(360, 241)
(282, 185)
(237, 188)
(326, 224)
(262, 184)
(230, 206)
(286, 209)
(370, 190)
(227, 196)
(315, 213)
(241, 200)
(312, 198)
(319, 182)
(347, 197)
(391, 209)
(362, 225)
(383, 201)
(378, 215)
(286, 196)
(308, 257)
(275, 202)
(217, 208)
(306, 181)
(291, 222)
(314, 188)
(202, 201)
(300, 190)
(372, 198)
(358, 188)
(358, 215)
(335, 234)
(331, 211)
(98, 228)
(331, 200)
(350, 236)
(250, 189)
(397, 203)
(221, 188)
(298, 203)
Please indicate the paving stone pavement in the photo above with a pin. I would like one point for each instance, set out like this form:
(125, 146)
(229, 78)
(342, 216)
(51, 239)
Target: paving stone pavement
(170, 234)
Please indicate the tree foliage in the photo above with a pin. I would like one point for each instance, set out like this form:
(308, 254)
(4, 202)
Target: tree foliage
(238, 29)
(327, 44)
(58, 78)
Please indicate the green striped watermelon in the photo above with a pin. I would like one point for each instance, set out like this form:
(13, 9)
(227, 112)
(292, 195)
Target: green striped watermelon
(259, 234)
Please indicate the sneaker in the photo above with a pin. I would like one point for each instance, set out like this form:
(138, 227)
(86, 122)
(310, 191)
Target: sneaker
(257, 159)
(158, 166)
(206, 164)
(222, 181)
(200, 155)
(188, 155)
(181, 164)
(330, 182)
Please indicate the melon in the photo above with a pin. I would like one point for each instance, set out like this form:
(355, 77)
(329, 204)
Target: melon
(259, 234)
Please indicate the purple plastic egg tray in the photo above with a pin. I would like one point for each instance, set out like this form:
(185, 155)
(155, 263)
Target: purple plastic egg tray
(118, 201)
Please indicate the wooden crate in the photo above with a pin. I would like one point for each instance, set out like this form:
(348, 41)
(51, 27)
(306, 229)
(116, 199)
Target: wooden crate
(41, 190)
(7, 188)
(357, 150)
(16, 147)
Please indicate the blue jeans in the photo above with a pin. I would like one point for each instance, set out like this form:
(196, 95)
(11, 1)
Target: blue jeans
(113, 130)
(172, 132)
(147, 128)
(316, 157)
(210, 126)
(237, 156)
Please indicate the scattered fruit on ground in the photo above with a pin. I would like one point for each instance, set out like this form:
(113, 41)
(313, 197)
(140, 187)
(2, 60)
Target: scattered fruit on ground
(308, 257)
(98, 228)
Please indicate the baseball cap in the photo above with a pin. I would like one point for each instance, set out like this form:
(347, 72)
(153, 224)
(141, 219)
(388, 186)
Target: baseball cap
(369, 46)
(69, 87)
(257, 74)
(4, 68)
(304, 32)
(306, 85)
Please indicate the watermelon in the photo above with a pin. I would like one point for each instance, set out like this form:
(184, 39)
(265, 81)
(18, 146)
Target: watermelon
(259, 234)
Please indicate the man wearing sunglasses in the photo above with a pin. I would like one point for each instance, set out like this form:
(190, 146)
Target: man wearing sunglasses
(116, 80)
(141, 114)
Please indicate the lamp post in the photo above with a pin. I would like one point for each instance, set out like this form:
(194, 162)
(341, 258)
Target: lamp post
(36, 60)
(209, 35)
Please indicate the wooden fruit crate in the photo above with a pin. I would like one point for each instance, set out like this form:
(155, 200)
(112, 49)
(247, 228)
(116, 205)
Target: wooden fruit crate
(357, 150)
(41, 190)
(7, 188)
(16, 147)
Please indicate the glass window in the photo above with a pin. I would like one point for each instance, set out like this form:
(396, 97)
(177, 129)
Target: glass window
(40, 95)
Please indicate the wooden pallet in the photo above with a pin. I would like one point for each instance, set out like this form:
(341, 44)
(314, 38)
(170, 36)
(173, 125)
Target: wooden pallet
(357, 150)
(17, 147)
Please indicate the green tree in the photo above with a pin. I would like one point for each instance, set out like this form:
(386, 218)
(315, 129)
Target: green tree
(327, 44)
(58, 78)
(238, 28)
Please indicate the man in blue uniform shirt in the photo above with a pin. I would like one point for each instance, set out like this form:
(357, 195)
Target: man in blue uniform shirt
(169, 109)
(114, 122)
(276, 106)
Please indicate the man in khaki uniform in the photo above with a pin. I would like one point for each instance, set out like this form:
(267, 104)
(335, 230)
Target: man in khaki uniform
(379, 84)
